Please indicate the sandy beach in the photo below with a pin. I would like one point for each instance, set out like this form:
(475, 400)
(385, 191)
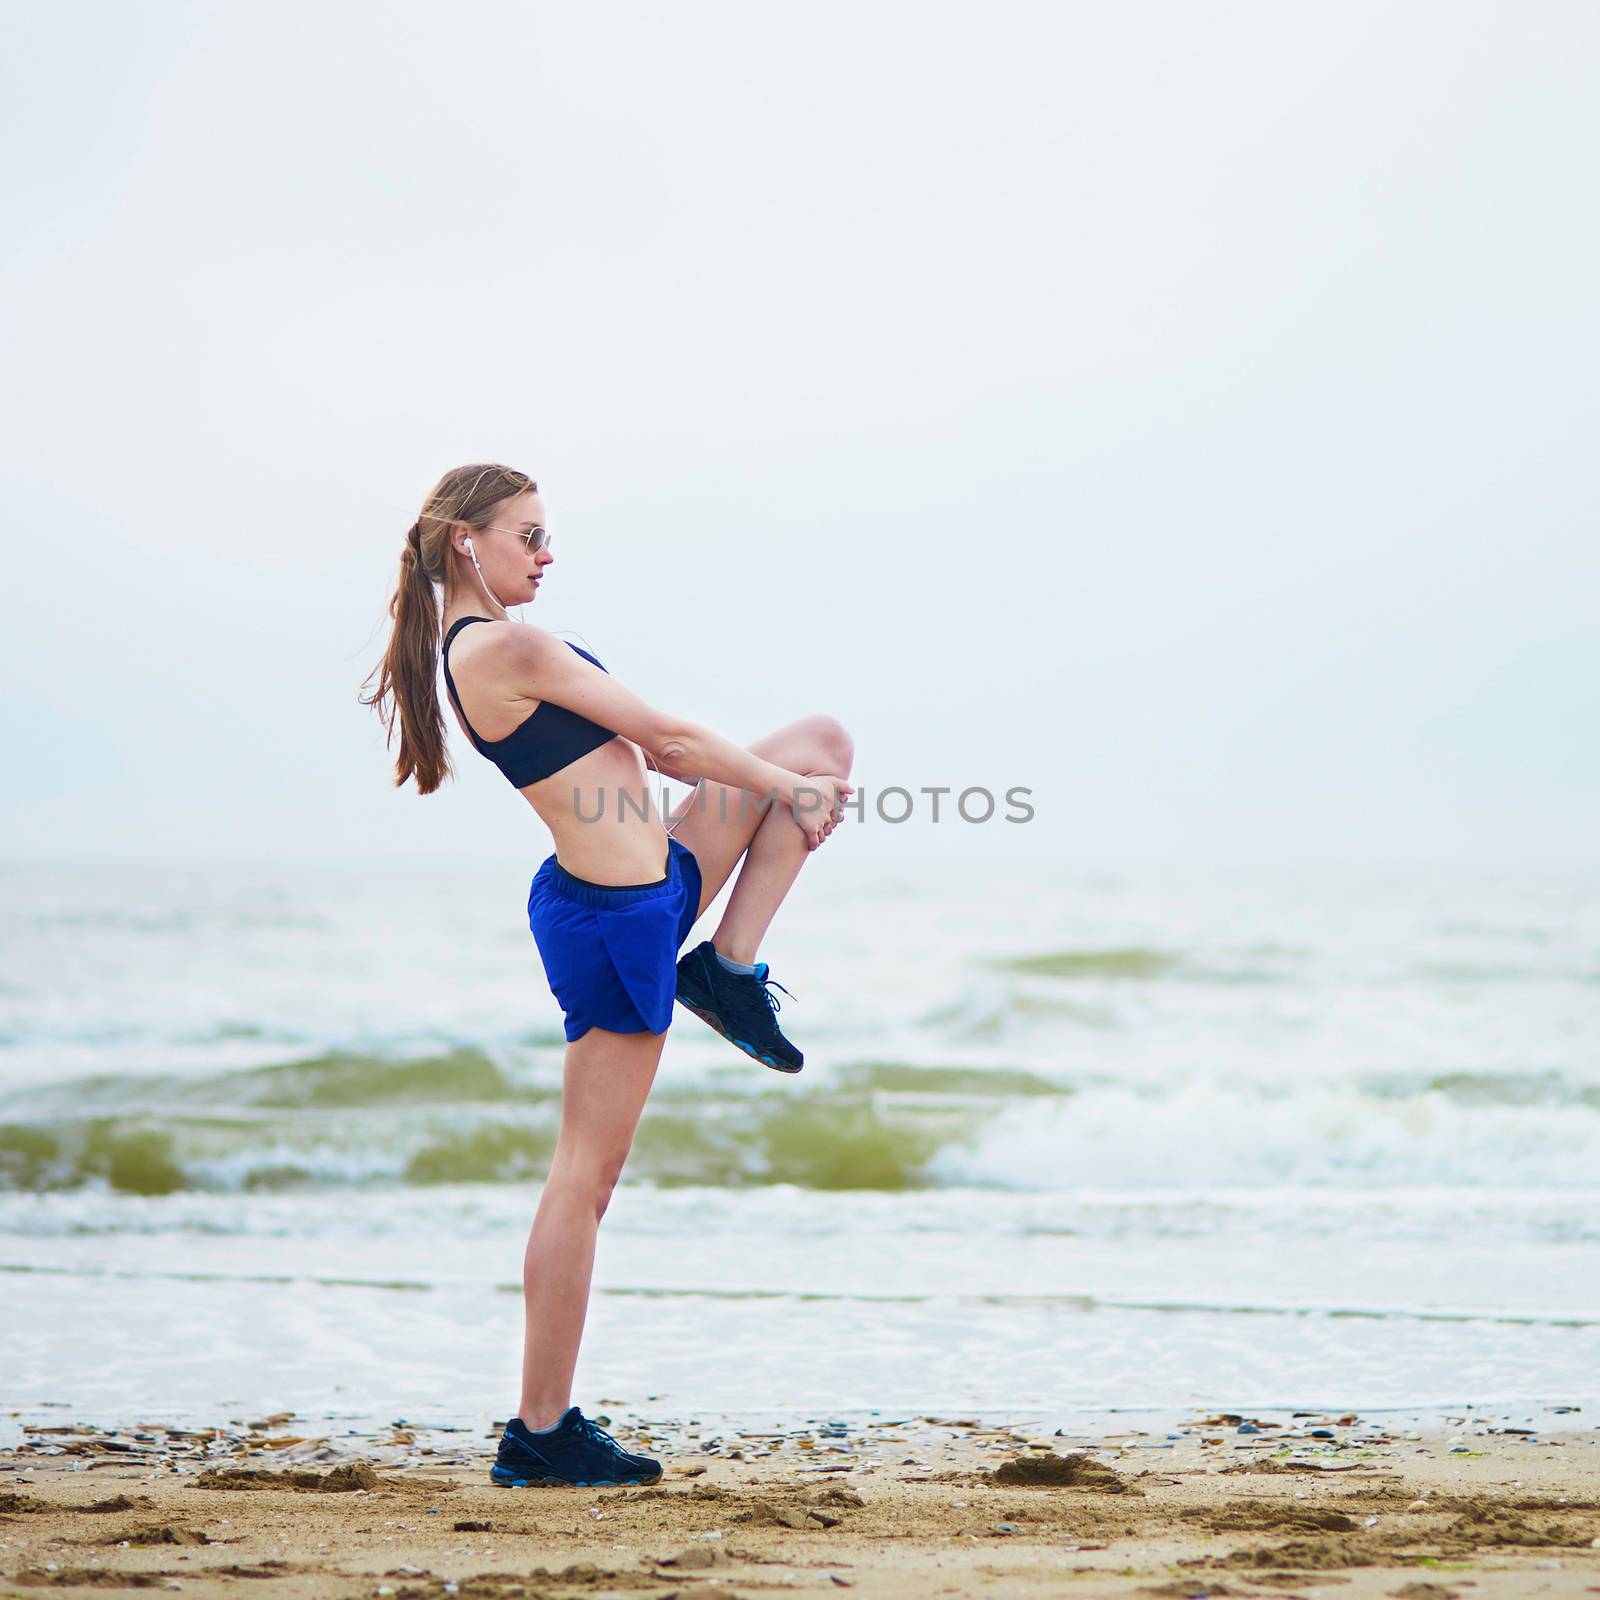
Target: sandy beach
(1468, 1503)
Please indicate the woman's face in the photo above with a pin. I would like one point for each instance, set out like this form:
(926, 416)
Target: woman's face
(512, 568)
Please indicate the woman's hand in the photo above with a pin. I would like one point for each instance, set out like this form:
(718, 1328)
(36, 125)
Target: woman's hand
(816, 803)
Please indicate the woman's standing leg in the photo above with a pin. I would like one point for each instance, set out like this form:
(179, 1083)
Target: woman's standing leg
(606, 1078)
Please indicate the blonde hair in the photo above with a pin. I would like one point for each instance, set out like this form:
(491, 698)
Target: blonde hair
(407, 677)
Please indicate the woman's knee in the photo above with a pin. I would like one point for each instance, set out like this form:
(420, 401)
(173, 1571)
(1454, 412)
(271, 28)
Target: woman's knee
(601, 1186)
(819, 742)
(590, 1178)
(835, 749)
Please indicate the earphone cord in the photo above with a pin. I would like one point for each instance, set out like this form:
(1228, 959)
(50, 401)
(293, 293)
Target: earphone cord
(661, 803)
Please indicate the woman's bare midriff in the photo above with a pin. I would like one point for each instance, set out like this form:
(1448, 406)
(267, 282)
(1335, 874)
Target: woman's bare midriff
(601, 810)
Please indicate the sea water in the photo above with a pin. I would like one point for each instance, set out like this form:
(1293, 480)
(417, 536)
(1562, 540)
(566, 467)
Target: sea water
(272, 1136)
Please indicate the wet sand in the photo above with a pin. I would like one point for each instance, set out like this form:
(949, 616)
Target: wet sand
(1469, 1504)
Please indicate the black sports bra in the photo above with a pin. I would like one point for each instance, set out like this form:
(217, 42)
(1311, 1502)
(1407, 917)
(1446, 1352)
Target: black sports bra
(550, 738)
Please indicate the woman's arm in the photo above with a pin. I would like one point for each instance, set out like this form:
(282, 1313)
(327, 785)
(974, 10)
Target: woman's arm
(545, 668)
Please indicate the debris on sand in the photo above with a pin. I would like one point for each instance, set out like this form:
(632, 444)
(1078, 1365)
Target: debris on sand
(341, 1480)
(1050, 1471)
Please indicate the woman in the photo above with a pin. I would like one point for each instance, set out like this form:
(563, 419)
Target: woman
(611, 906)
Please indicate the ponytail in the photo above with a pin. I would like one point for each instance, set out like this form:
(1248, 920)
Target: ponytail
(407, 688)
(407, 683)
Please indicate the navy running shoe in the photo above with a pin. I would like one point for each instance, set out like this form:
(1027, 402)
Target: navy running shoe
(577, 1451)
(739, 1005)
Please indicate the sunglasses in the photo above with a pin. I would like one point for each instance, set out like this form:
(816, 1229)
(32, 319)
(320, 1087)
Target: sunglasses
(536, 538)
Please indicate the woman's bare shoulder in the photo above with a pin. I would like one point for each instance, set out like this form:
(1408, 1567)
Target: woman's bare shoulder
(508, 642)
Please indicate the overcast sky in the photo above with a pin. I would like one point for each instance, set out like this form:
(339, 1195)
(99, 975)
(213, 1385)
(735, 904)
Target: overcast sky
(1186, 411)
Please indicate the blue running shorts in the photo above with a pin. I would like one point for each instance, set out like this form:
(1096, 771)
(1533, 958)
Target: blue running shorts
(611, 951)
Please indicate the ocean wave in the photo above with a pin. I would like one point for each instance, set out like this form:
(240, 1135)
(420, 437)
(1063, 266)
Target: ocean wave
(1202, 1133)
(337, 1079)
(1131, 961)
(459, 1118)
(1546, 1088)
(886, 1125)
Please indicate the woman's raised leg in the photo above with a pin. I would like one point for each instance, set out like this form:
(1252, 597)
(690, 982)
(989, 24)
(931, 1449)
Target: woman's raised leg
(721, 824)
(606, 1078)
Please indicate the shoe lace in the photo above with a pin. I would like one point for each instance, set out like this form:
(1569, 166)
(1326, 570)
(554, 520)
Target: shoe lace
(772, 1000)
(744, 1000)
(740, 996)
(588, 1426)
